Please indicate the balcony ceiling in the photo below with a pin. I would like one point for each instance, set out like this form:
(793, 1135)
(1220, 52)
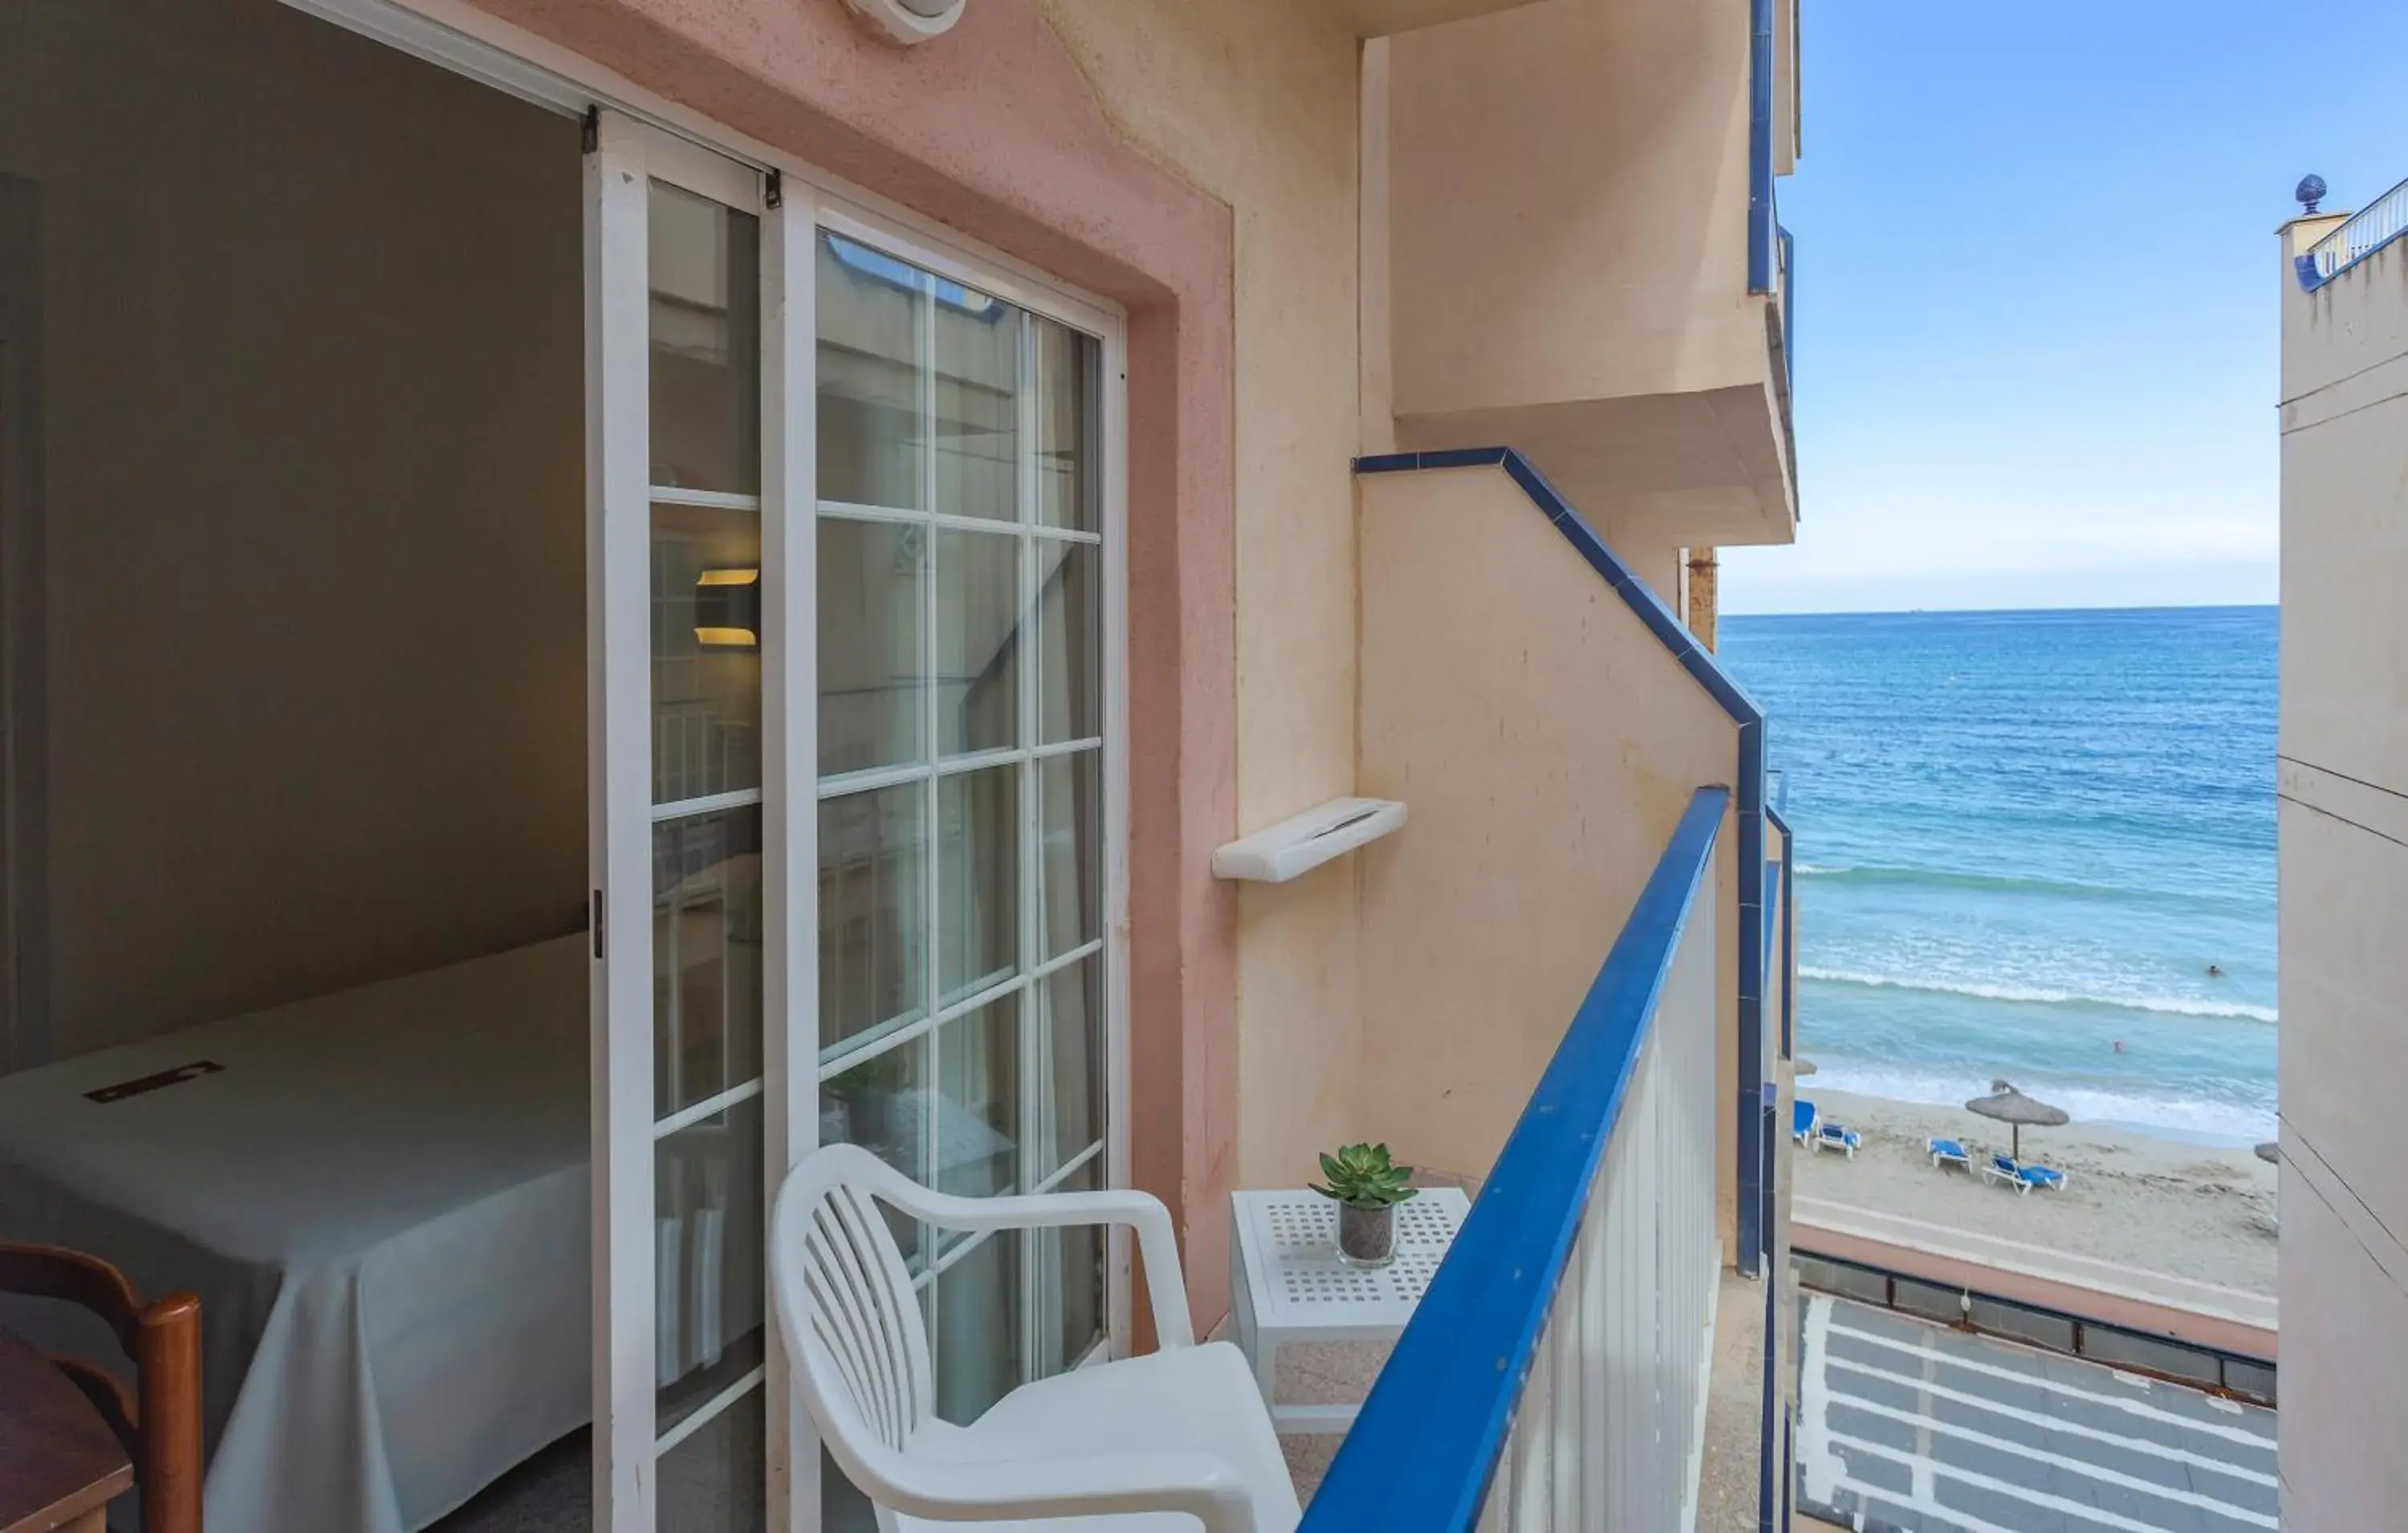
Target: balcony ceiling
(1382, 18)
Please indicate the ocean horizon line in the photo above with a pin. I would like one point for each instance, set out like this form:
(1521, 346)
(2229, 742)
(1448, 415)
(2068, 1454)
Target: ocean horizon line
(1728, 616)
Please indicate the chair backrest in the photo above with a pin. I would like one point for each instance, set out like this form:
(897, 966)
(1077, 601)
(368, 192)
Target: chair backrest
(2005, 1161)
(844, 1297)
(161, 1427)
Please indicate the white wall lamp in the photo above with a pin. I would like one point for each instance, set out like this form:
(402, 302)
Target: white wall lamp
(909, 21)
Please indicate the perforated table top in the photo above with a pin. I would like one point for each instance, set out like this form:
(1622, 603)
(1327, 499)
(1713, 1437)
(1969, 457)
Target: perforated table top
(1288, 1241)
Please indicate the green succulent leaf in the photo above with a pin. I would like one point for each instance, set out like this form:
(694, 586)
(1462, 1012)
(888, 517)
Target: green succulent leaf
(1365, 1176)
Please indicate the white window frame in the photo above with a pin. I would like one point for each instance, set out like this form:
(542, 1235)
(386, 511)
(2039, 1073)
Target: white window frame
(463, 39)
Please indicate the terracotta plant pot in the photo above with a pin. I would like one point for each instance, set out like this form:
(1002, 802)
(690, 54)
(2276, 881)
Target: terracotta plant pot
(1367, 1237)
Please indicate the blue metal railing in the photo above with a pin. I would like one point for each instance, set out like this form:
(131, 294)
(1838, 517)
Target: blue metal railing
(2367, 230)
(1760, 220)
(1423, 1452)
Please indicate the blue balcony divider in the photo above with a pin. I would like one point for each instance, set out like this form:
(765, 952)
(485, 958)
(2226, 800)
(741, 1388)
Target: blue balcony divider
(1759, 149)
(1422, 1453)
(1749, 773)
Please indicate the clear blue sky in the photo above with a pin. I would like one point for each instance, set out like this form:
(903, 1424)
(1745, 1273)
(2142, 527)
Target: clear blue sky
(2036, 290)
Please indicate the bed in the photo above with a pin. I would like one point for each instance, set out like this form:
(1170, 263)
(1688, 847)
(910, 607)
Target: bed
(382, 1197)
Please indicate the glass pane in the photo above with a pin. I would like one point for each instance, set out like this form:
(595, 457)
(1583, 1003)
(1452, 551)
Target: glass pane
(871, 602)
(978, 881)
(717, 1481)
(978, 1100)
(706, 329)
(974, 1324)
(873, 910)
(705, 956)
(1069, 642)
(883, 1105)
(1071, 1093)
(978, 405)
(1069, 427)
(1069, 1278)
(977, 642)
(1070, 862)
(872, 417)
(707, 1252)
(706, 652)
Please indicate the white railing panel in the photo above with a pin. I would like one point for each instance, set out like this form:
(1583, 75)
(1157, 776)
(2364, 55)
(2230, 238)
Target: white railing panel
(1607, 1434)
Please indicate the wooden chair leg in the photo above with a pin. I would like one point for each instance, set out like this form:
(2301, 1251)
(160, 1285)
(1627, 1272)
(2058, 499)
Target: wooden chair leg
(169, 1358)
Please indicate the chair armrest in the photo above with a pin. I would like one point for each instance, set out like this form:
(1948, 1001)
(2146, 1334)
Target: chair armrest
(1157, 1248)
(1199, 1484)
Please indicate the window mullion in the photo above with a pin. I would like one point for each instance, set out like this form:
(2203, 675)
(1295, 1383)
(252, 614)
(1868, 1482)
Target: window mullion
(1032, 852)
(932, 801)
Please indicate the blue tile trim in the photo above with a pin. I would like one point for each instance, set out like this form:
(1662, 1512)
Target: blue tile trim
(1422, 1453)
(1463, 457)
(1749, 773)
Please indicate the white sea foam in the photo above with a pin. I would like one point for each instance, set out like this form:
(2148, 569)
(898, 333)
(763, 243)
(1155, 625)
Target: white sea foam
(2169, 1005)
(2176, 1116)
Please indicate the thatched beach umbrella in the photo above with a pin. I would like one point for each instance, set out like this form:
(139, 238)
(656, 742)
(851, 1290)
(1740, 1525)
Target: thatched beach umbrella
(2013, 1108)
(1801, 1067)
(2271, 1153)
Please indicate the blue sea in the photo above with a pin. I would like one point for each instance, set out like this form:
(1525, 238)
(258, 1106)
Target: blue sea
(2022, 840)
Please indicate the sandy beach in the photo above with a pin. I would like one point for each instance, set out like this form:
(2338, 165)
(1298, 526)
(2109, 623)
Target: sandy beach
(2188, 1210)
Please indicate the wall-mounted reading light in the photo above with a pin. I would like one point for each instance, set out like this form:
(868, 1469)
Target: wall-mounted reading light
(727, 610)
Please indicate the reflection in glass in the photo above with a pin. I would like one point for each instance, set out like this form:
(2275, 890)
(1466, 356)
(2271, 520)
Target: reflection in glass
(978, 1100)
(872, 336)
(873, 910)
(1071, 858)
(705, 956)
(881, 1105)
(717, 1480)
(705, 264)
(978, 881)
(708, 1255)
(871, 596)
(977, 641)
(1070, 1283)
(1069, 642)
(1069, 427)
(706, 604)
(977, 406)
(976, 1328)
(1070, 1053)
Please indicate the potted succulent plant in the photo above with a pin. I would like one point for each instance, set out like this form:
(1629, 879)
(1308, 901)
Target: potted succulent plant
(1367, 1187)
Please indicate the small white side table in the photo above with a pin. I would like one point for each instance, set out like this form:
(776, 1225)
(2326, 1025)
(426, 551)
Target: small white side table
(1287, 1285)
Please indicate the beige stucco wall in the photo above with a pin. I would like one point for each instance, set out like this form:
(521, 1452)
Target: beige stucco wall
(316, 641)
(1547, 745)
(1254, 101)
(2343, 778)
(1566, 215)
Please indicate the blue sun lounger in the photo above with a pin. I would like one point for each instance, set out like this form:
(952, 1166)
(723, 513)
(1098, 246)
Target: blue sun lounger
(1831, 1135)
(1802, 1119)
(2023, 1177)
(1947, 1152)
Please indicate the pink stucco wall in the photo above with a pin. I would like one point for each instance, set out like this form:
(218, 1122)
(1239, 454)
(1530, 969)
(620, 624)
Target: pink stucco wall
(993, 130)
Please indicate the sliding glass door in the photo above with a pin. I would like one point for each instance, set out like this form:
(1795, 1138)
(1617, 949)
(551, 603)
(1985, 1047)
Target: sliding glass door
(855, 803)
(962, 793)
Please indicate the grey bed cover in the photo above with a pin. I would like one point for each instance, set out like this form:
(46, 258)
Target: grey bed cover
(382, 1202)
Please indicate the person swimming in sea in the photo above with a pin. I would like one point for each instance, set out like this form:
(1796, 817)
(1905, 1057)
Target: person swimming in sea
(2214, 971)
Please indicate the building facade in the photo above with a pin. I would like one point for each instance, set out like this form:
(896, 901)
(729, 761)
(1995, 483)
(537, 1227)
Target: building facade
(2343, 778)
(831, 513)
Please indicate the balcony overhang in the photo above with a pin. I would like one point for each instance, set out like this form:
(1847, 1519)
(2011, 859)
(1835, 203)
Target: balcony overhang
(1701, 467)
(1384, 18)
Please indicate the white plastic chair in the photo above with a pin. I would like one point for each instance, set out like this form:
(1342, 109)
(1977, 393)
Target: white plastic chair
(1151, 1445)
